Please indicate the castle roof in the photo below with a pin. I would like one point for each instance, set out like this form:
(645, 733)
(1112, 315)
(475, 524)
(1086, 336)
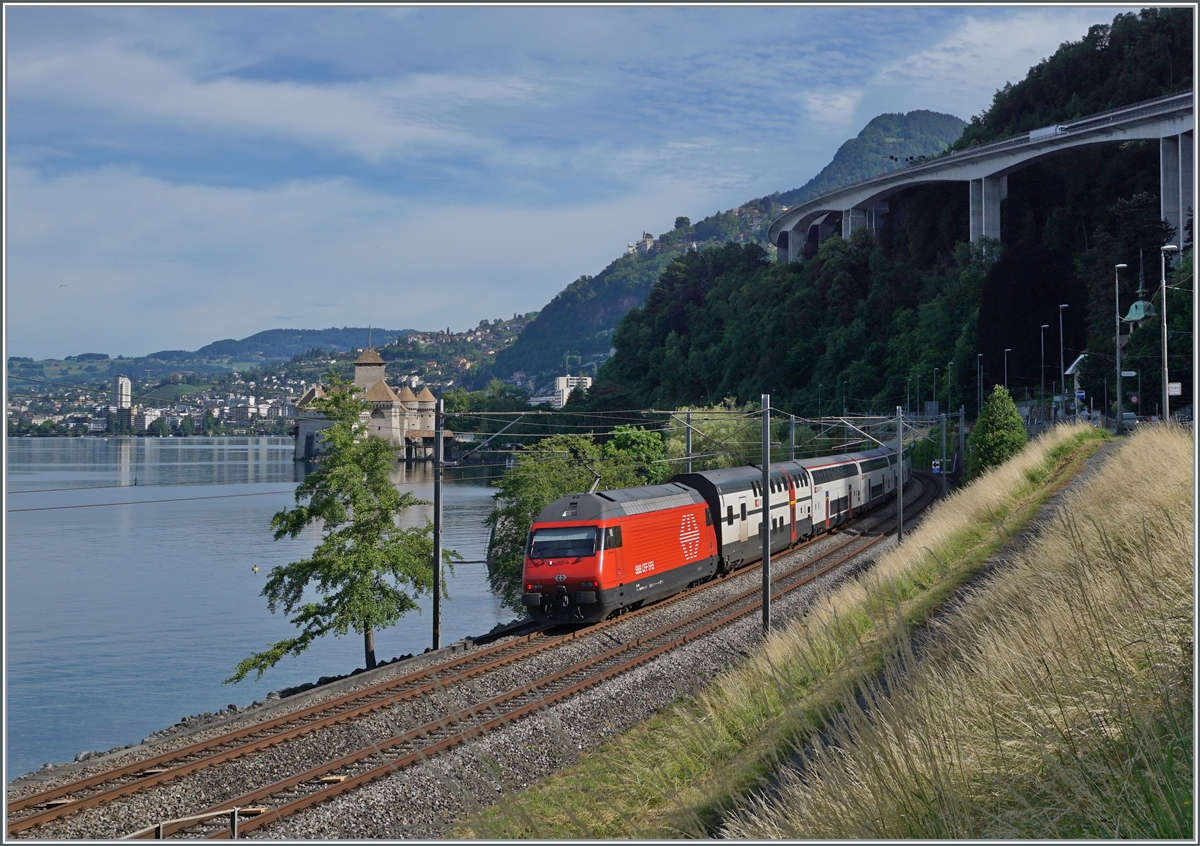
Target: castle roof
(313, 393)
(369, 356)
(426, 396)
(380, 392)
(406, 394)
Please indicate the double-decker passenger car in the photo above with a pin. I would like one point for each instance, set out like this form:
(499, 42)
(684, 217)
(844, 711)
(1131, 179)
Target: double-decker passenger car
(592, 555)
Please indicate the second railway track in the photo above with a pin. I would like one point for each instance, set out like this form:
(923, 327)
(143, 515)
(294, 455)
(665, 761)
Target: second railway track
(434, 718)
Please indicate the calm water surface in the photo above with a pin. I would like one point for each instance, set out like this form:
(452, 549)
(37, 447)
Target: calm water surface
(129, 593)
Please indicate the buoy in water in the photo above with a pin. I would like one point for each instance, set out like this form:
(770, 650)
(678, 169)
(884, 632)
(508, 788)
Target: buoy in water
(255, 568)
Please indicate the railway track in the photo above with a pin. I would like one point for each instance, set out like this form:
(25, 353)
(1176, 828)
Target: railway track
(273, 801)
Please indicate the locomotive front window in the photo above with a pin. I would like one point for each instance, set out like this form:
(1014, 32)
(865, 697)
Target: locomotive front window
(567, 542)
(612, 537)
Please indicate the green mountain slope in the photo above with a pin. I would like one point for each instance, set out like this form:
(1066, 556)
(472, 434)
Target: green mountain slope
(884, 144)
(866, 322)
(578, 324)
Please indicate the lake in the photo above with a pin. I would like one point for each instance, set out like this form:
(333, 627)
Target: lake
(130, 594)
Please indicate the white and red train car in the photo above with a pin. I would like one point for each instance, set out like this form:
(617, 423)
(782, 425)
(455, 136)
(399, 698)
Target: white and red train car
(593, 555)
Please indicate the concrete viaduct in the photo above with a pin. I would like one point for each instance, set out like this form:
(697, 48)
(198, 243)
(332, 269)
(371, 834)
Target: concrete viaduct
(986, 168)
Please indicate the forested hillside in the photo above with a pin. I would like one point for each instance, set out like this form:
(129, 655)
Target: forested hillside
(1137, 57)
(870, 319)
(578, 324)
(884, 144)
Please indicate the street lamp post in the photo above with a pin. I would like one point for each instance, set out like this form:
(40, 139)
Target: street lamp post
(1062, 368)
(978, 384)
(1117, 298)
(949, 403)
(820, 385)
(1042, 389)
(1007, 350)
(1166, 402)
(907, 382)
(935, 373)
(918, 390)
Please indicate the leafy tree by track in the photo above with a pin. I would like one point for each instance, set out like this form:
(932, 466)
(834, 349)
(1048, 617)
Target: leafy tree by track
(554, 467)
(998, 435)
(367, 571)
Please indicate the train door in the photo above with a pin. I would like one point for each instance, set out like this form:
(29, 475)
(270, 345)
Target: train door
(743, 526)
(792, 507)
(613, 556)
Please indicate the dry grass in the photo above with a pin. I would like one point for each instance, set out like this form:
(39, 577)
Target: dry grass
(1056, 702)
(682, 772)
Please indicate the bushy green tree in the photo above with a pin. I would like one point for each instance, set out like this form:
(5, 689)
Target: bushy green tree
(558, 466)
(366, 571)
(998, 435)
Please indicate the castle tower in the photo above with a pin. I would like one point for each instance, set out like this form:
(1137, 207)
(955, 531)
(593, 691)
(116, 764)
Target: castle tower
(368, 369)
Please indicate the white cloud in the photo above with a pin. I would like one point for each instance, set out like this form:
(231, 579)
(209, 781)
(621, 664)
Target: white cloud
(149, 265)
(960, 73)
(371, 119)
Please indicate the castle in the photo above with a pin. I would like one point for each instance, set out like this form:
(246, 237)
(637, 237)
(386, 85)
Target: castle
(405, 419)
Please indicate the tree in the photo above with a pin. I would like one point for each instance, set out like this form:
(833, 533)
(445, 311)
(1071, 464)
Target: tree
(682, 222)
(554, 467)
(998, 435)
(366, 570)
(158, 426)
(187, 426)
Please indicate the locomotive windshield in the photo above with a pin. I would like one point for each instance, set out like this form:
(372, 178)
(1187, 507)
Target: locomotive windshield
(568, 542)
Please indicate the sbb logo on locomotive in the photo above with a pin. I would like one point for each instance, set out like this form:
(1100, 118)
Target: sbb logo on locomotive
(689, 537)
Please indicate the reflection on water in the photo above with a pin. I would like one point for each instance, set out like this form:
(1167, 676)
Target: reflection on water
(130, 593)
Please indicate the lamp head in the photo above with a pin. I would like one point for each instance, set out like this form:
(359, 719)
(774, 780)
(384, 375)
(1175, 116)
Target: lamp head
(1170, 248)
(1119, 266)
(1063, 305)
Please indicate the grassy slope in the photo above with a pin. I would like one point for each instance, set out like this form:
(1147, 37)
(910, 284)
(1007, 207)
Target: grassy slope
(1056, 703)
(681, 772)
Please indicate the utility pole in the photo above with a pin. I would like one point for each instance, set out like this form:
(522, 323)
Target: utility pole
(792, 454)
(900, 474)
(942, 481)
(1165, 416)
(438, 426)
(766, 513)
(688, 441)
(962, 438)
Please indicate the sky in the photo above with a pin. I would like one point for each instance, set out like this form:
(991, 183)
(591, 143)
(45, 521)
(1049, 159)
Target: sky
(179, 175)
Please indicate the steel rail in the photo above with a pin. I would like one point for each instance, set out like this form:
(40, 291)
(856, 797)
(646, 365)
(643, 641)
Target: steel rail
(437, 729)
(386, 693)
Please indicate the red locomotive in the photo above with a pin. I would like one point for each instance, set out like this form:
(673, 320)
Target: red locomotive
(594, 553)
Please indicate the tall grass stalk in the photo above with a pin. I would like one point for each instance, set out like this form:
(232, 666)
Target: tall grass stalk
(1056, 701)
(682, 771)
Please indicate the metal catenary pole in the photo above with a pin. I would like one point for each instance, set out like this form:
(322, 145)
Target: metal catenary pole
(900, 473)
(766, 513)
(439, 423)
(792, 453)
(688, 441)
(942, 480)
(963, 441)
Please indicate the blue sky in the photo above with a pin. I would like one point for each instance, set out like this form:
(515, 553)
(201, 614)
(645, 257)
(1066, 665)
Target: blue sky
(175, 176)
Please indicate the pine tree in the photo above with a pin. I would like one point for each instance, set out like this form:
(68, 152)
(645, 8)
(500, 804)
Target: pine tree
(367, 571)
(998, 435)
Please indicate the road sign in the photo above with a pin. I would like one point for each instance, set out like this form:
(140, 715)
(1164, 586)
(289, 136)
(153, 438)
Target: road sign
(1174, 389)
(1128, 372)
(1133, 398)
(1081, 395)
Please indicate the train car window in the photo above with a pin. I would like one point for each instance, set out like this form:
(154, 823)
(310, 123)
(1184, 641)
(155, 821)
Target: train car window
(743, 511)
(707, 517)
(564, 542)
(612, 537)
(729, 515)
